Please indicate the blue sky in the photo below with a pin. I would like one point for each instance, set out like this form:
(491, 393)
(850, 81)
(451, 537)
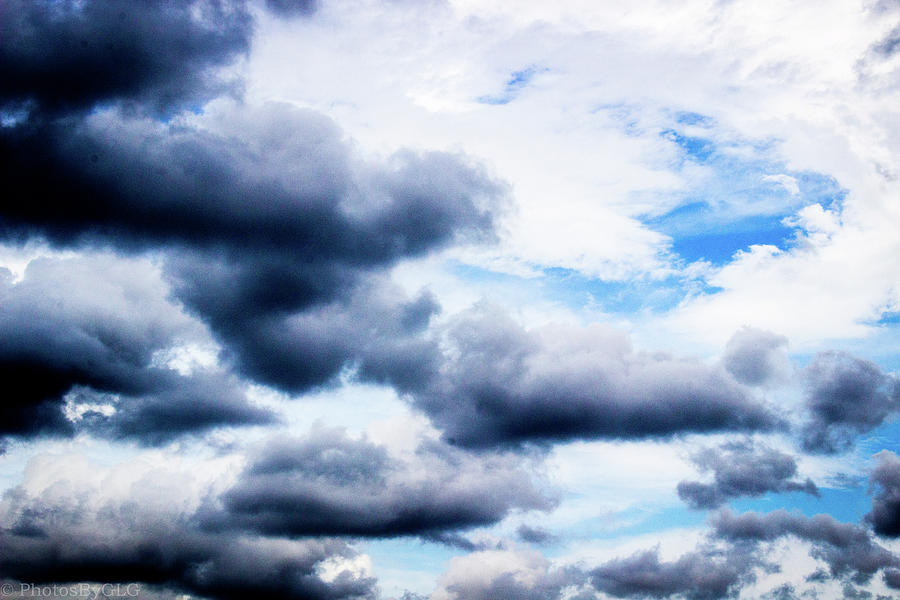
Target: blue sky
(451, 300)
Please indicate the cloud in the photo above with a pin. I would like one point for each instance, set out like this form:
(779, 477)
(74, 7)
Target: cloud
(69, 56)
(885, 478)
(704, 574)
(292, 8)
(512, 574)
(756, 357)
(97, 323)
(846, 396)
(47, 541)
(848, 549)
(503, 385)
(254, 232)
(741, 470)
(535, 535)
(892, 578)
(330, 484)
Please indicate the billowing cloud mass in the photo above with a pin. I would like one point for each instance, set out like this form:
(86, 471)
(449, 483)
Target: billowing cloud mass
(513, 574)
(330, 484)
(756, 357)
(100, 324)
(505, 385)
(740, 470)
(67, 56)
(885, 478)
(699, 575)
(400, 300)
(849, 550)
(846, 397)
(63, 541)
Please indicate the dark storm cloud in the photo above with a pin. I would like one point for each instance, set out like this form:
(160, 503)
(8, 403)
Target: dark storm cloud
(70, 55)
(885, 479)
(503, 385)
(270, 235)
(57, 541)
(848, 549)
(740, 470)
(180, 405)
(846, 397)
(285, 191)
(705, 574)
(97, 323)
(330, 484)
(755, 357)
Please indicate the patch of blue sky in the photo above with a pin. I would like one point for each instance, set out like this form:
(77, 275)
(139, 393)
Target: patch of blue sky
(718, 244)
(580, 292)
(625, 297)
(635, 521)
(879, 346)
(684, 117)
(884, 437)
(416, 562)
(739, 197)
(518, 80)
(848, 505)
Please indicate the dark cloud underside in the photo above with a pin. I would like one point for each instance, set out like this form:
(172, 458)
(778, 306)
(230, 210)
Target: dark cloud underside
(329, 484)
(741, 470)
(62, 543)
(505, 385)
(846, 396)
(69, 56)
(885, 478)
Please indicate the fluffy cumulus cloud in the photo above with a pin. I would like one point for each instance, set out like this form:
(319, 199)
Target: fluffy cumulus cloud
(514, 574)
(756, 357)
(703, 574)
(122, 545)
(98, 323)
(73, 531)
(739, 470)
(848, 550)
(330, 484)
(506, 385)
(846, 396)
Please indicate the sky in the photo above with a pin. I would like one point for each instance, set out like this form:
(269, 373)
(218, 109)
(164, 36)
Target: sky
(450, 299)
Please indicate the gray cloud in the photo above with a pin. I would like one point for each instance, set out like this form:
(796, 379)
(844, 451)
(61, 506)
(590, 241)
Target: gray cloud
(266, 235)
(892, 578)
(741, 470)
(885, 478)
(508, 574)
(97, 323)
(848, 549)
(70, 55)
(756, 357)
(846, 397)
(535, 535)
(704, 574)
(330, 484)
(53, 541)
(503, 385)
